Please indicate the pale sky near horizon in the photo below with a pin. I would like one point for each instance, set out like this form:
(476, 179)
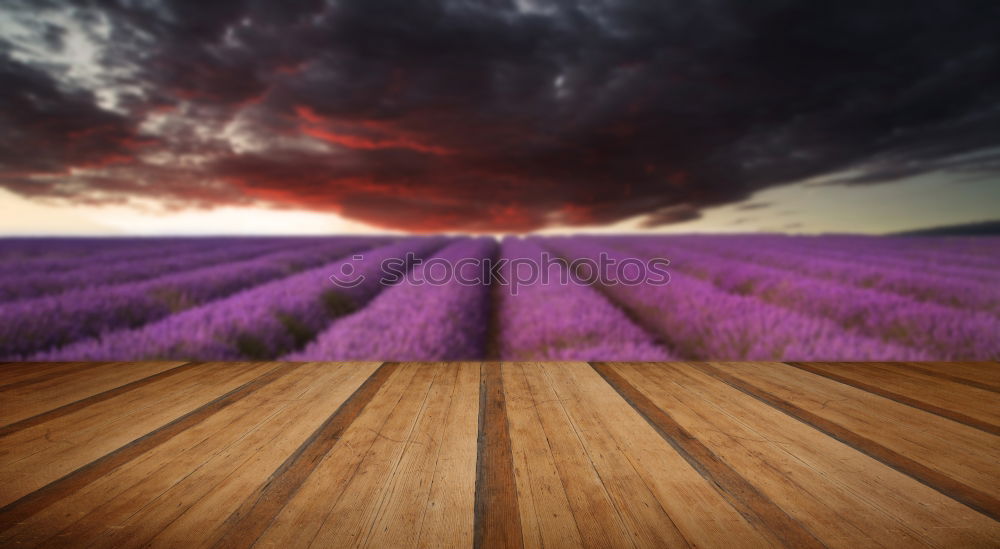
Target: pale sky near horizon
(805, 208)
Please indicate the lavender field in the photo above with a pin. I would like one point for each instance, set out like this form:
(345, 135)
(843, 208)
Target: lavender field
(748, 297)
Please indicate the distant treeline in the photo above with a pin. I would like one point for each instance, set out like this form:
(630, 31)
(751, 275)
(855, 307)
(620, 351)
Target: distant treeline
(982, 228)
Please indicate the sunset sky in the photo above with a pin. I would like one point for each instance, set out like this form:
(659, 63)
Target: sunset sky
(353, 116)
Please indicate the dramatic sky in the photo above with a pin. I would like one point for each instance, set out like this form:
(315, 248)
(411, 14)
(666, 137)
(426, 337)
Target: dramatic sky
(497, 115)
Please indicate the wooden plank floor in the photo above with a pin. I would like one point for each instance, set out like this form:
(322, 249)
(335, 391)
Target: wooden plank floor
(500, 454)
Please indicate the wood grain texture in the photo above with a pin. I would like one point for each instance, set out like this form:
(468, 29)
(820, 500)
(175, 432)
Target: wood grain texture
(545, 513)
(248, 522)
(306, 514)
(46, 494)
(700, 513)
(802, 470)
(497, 520)
(984, 375)
(20, 374)
(103, 508)
(449, 511)
(591, 504)
(981, 375)
(940, 456)
(968, 405)
(113, 383)
(350, 521)
(569, 454)
(741, 493)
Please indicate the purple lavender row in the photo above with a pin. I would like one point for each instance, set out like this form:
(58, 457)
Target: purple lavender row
(965, 246)
(34, 249)
(927, 261)
(923, 265)
(976, 252)
(870, 250)
(416, 320)
(91, 273)
(700, 322)
(54, 256)
(964, 294)
(46, 323)
(259, 323)
(556, 321)
(945, 333)
(49, 248)
(952, 286)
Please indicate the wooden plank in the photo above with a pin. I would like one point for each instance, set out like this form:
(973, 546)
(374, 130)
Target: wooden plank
(741, 494)
(800, 493)
(838, 493)
(599, 522)
(449, 514)
(642, 513)
(256, 513)
(973, 407)
(984, 372)
(192, 475)
(19, 374)
(699, 511)
(83, 516)
(241, 472)
(956, 460)
(497, 520)
(134, 507)
(401, 512)
(19, 417)
(29, 502)
(352, 516)
(544, 510)
(33, 457)
(93, 377)
(974, 374)
(137, 497)
(110, 421)
(396, 513)
(220, 454)
(302, 517)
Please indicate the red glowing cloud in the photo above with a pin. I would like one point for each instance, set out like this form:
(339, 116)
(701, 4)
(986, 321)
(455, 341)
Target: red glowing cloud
(377, 137)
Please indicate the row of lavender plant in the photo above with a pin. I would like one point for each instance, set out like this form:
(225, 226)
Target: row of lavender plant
(966, 246)
(560, 318)
(702, 322)
(924, 264)
(973, 252)
(951, 291)
(416, 319)
(50, 248)
(55, 256)
(944, 333)
(259, 323)
(46, 323)
(109, 271)
(930, 261)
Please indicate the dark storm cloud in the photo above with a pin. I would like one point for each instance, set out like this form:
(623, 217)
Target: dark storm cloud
(46, 128)
(671, 214)
(753, 206)
(495, 114)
